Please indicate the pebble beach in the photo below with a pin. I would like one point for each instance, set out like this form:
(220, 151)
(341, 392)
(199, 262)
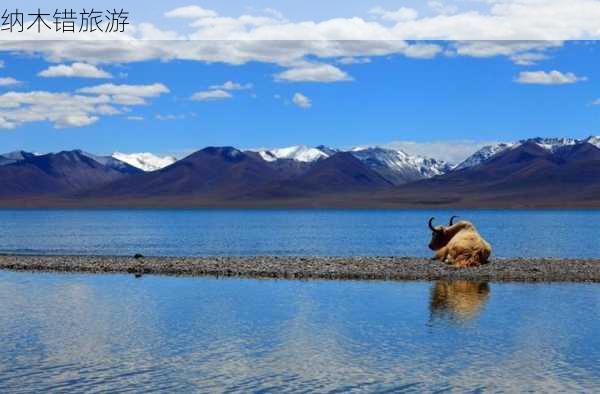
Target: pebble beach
(283, 267)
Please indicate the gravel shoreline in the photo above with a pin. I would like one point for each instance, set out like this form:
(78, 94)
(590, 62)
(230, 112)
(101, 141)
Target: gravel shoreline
(283, 267)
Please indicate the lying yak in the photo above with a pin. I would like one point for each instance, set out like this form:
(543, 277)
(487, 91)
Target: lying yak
(459, 244)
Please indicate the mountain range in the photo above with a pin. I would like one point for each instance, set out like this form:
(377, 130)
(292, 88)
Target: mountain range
(528, 173)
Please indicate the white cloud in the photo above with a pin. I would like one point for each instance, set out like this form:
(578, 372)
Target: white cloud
(211, 95)
(548, 78)
(268, 37)
(400, 15)
(127, 94)
(439, 7)
(5, 124)
(2, 63)
(453, 151)
(135, 117)
(8, 81)
(313, 73)
(61, 109)
(354, 60)
(190, 12)
(152, 90)
(301, 100)
(528, 58)
(475, 20)
(81, 70)
(106, 109)
(70, 109)
(520, 52)
(230, 85)
(169, 117)
(125, 99)
(75, 120)
(274, 13)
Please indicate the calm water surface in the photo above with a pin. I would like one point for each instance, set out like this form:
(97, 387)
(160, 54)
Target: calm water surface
(114, 333)
(527, 233)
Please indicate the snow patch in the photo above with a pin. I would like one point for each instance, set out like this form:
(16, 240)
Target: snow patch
(145, 161)
(298, 153)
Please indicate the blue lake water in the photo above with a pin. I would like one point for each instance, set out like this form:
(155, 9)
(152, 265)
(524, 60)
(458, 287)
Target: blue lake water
(527, 233)
(114, 333)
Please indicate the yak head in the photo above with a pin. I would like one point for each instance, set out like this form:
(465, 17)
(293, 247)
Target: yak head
(439, 236)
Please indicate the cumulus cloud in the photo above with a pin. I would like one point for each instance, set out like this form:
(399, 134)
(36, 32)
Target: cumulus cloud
(67, 109)
(520, 52)
(301, 100)
(548, 78)
(400, 15)
(480, 20)
(269, 37)
(191, 12)
(313, 73)
(211, 95)
(230, 85)
(152, 90)
(81, 70)
(440, 7)
(8, 81)
(127, 94)
(61, 109)
(354, 60)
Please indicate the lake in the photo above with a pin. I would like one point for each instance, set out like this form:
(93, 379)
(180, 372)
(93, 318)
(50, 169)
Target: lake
(512, 233)
(114, 333)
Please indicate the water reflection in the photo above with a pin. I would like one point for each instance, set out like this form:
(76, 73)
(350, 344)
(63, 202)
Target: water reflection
(113, 333)
(459, 300)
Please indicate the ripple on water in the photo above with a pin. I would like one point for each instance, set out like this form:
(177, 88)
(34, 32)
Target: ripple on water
(85, 333)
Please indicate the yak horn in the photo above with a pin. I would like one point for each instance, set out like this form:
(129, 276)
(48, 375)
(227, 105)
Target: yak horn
(431, 226)
(451, 219)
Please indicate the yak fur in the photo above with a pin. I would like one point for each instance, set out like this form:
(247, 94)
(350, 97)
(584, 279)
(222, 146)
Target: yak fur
(459, 244)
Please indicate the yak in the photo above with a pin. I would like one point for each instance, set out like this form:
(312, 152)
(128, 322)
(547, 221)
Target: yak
(459, 244)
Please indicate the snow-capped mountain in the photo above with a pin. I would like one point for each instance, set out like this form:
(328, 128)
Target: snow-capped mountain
(395, 165)
(107, 161)
(549, 144)
(145, 161)
(552, 144)
(483, 154)
(118, 161)
(594, 140)
(298, 153)
(13, 157)
(398, 166)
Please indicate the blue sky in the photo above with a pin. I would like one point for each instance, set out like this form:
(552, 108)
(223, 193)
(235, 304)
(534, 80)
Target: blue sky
(176, 96)
(391, 98)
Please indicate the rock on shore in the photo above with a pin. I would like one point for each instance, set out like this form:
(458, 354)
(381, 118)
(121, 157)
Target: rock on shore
(369, 268)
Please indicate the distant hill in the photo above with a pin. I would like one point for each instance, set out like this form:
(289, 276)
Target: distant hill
(526, 174)
(340, 173)
(537, 172)
(217, 172)
(57, 174)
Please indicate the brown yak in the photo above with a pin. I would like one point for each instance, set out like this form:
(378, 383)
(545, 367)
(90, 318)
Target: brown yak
(459, 244)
